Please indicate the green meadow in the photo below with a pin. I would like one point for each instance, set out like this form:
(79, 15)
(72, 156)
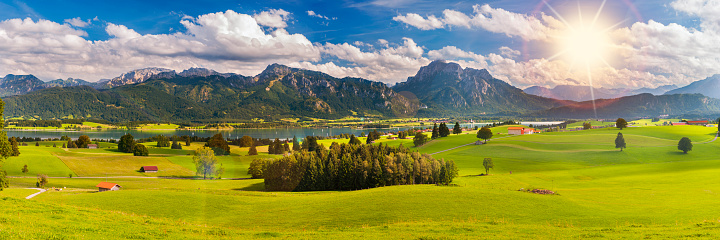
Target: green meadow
(650, 190)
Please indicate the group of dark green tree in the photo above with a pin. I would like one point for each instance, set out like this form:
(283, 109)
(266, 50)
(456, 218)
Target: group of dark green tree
(351, 167)
(437, 132)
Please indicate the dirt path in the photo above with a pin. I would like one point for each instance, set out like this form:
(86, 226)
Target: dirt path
(35, 194)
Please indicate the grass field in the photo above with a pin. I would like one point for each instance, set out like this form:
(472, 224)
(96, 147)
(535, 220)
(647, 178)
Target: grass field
(650, 190)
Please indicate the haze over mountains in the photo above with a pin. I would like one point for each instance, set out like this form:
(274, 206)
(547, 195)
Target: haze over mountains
(582, 93)
(441, 89)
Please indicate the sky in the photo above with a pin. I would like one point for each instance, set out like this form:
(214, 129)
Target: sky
(610, 43)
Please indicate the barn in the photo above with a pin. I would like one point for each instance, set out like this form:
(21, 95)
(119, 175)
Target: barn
(106, 186)
(92, 146)
(149, 169)
(702, 123)
(516, 130)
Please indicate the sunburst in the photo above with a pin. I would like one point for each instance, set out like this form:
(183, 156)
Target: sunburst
(584, 43)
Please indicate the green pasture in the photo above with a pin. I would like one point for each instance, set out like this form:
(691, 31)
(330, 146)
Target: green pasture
(649, 190)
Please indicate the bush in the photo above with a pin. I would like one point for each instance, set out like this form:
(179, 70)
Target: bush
(257, 167)
(42, 180)
(140, 150)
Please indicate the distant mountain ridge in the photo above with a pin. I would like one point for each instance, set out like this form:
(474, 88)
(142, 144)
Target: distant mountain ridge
(582, 93)
(448, 89)
(709, 87)
(642, 105)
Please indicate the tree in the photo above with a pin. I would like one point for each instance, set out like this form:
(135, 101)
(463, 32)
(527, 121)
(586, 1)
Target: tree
(82, 141)
(587, 126)
(620, 142)
(257, 167)
(246, 141)
(419, 139)
(311, 143)
(126, 143)
(286, 146)
(71, 144)
(484, 133)
(443, 130)
(14, 145)
(218, 144)
(296, 144)
(205, 160)
(718, 125)
(435, 132)
(621, 123)
(188, 141)
(64, 146)
(271, 148)
(457, 129)
(140, 150)
(685, 145)
(42, 179)
(175, 145)
(279, 149)
(25, 169)
(253, 150)
(37, 144)
(488, 164)
(354, 140)
(162, 141)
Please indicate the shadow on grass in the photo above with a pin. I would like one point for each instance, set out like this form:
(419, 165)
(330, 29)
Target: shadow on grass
(254, 187)
(679, 153)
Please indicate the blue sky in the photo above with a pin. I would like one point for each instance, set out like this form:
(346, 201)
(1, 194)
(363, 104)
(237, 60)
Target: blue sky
(379, 40)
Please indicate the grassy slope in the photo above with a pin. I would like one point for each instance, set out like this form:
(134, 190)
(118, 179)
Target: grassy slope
(648, 190)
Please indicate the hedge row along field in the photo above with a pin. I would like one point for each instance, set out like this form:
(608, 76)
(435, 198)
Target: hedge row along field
(353, 167)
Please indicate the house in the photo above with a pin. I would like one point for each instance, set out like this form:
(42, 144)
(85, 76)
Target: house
(149, 169)
(528, 131)
(106, 186)
(678, 123)
(516, 130)
(703, 123)
(92, 146)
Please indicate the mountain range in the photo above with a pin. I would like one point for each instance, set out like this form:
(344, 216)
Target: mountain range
(709, 87)
(582, 93)
(441, 89)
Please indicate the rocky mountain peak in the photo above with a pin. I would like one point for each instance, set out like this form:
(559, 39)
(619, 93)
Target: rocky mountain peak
(198, 72)
(137, 76)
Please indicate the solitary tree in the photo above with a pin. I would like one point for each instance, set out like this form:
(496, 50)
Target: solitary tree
(488, 164)
(484, 133)
(253, 150)
(25, 169)
(15, 150)
(126, 143)
(419, 139)
(457, 129)
(620, 142)
(82, 141)
(42, 179)
(587, 126)
(37, 144)
(246, 141)
(205, 160)
(685, 145)
(140, 150)
(621, 123)
(435, 132)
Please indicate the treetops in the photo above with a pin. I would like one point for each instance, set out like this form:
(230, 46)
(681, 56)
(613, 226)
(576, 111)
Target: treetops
(353, 167)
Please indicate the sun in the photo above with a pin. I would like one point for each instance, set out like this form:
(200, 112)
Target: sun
(585, 45)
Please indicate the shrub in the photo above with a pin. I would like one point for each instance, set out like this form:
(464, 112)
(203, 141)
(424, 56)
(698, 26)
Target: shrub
(140, 150)
(257, 167)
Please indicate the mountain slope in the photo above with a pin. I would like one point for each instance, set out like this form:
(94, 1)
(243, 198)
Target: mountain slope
(709, 87)
(582, 93)
(643, 105)
(277, 92)
(19, 84)
(447, 88)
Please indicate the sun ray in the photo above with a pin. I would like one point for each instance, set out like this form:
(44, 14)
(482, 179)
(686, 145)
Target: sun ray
(558, 15)
(592, 91)
(597, 15)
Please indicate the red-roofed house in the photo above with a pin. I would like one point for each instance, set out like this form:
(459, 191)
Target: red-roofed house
(678, 124)
(106, 186)
(149, 169)
(528, 131)
(516, 130)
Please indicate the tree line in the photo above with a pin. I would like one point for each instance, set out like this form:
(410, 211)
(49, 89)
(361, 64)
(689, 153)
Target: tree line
(352, 167)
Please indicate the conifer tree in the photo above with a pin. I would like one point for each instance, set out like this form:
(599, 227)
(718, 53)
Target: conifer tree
(15, 150)
(620, 142)
(457, 129)
(296, 144)
(253, 150)
(435, 133)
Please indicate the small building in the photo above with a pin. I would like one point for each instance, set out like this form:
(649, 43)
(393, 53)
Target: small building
(92, 146)
(106, 186)
(516, 130)
(702, 123)
(149, 169)
(528, 131)
(678, 124)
